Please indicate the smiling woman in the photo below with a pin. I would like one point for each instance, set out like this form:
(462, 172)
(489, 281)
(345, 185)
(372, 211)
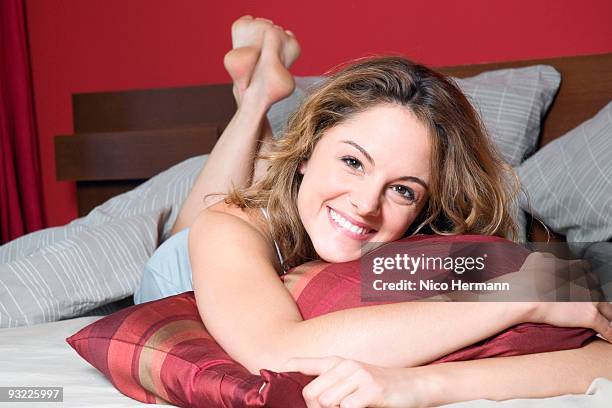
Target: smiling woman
(360, 181)
(382, 149)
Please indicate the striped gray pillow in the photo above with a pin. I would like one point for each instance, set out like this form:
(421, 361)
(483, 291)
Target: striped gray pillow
(92, 267)
(569, 181)
(68, 271)
(512, 103)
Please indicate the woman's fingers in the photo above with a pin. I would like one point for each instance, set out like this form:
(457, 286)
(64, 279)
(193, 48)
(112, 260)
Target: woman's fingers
(338, 379)
(330, 379)
(602, 326)
(605, 309)
(592, 315)
(334, 395)
(603, 319)
(333, 384)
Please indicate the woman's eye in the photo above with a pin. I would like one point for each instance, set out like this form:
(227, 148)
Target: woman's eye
(352, 163)
(405, 192)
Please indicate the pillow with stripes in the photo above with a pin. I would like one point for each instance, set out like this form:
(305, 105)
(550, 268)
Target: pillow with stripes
(90, 267)
(569, 182)
(82, 267)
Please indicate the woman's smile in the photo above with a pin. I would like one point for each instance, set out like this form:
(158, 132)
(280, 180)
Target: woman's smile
(347, 226)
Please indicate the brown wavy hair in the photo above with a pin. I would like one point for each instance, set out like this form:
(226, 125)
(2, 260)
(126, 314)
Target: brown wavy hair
(470, 188)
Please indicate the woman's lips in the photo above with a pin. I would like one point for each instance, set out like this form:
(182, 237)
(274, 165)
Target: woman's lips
(353, 235)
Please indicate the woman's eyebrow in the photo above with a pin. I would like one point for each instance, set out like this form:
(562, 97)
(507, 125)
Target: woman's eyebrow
(362, 150)
(416, 180)
(371, 160)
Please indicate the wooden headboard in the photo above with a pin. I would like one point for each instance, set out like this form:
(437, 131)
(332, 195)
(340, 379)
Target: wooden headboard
(123, 138)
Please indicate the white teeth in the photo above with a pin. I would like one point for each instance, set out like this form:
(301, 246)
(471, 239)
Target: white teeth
(346, 224)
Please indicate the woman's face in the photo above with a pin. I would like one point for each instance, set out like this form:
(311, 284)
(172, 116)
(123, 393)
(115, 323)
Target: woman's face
(366, 181)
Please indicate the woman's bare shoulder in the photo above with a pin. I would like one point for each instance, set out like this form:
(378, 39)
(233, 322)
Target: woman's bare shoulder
(252, 216)
(247, 225)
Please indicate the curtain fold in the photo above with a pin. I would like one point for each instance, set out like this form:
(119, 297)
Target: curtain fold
(21, 198)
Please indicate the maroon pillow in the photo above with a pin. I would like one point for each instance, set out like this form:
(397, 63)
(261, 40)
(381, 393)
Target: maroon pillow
(161, 351)
(320, 288)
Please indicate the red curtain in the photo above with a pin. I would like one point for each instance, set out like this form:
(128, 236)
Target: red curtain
(21, 200)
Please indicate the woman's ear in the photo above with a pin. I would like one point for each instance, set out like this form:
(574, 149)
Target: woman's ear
(302, 168)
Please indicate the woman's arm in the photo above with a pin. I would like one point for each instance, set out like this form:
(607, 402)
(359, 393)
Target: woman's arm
(231, 162)
(247, 309)
(529, 376)
(540, 375)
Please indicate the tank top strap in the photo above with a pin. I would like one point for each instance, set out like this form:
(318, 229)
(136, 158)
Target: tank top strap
(276, 246)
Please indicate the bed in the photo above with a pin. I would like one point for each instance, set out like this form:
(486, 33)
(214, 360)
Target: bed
(123, 139)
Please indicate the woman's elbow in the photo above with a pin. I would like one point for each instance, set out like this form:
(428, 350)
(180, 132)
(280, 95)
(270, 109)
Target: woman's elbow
(269, 353)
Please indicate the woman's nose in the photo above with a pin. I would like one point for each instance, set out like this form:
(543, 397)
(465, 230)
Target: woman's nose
(366, 201)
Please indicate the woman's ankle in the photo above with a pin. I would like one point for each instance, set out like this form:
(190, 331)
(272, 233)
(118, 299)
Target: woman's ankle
(255, 100)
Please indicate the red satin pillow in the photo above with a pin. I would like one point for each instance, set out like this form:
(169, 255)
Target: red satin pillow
(320, 288)
(160, 351)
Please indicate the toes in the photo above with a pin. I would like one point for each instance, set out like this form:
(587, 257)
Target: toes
(279, 30)
(264, 19)
(272, 35)
(240, 20)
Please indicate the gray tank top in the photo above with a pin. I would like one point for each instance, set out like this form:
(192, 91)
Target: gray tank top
(278, 252)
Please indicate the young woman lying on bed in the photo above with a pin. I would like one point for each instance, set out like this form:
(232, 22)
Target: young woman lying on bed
(383, 149)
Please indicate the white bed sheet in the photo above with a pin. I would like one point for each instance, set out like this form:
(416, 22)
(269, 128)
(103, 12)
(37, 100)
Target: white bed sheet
(39, 356)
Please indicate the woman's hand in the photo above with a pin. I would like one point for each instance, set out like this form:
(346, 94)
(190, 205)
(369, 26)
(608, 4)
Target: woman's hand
(352, 384)
(592, 315)
(549, 277)
(543, 277)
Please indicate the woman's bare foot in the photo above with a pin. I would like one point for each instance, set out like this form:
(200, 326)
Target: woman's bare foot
(270, 80)
(247, 42)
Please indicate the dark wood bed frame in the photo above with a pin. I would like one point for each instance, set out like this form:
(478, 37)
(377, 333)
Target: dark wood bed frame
(123, 138)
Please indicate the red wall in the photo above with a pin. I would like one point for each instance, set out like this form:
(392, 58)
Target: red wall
(102, 45)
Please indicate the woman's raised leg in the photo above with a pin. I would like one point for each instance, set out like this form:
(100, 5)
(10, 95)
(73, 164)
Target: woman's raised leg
(231, 162)
(247, 39)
